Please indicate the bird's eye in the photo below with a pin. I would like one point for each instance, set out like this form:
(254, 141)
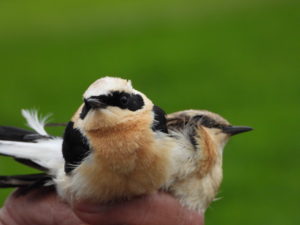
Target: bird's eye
(124, 100)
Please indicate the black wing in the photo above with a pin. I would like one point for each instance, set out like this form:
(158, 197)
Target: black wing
(75, 147)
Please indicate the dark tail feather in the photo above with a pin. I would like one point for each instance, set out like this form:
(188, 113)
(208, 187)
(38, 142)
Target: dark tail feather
(31, 164)
(27, 162)
(29, 180)
(18, 134)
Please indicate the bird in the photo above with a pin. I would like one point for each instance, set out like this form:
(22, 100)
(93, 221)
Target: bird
(119, 145)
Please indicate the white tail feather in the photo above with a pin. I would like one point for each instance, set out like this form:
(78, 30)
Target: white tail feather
(34, 121)
(46, 153)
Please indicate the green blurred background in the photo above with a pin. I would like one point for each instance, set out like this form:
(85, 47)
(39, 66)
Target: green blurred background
(237, 58)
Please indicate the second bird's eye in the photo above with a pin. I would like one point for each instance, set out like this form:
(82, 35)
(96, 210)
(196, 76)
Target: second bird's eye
(124, 100)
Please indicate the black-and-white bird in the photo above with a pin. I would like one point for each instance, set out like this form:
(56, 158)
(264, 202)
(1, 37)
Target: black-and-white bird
(119, 145)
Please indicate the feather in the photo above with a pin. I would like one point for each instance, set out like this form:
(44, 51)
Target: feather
(22, 180)
(45, 153)
(38, 150)
(15, 134)
(31, 164)
(35, 122)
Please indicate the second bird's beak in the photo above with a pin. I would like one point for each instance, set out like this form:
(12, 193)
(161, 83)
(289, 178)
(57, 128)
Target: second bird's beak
(94, 103)
(233, 130)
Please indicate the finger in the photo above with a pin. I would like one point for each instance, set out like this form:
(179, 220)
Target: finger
(153, 209)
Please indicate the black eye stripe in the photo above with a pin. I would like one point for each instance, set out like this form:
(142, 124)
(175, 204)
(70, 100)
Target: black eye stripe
(134, 101)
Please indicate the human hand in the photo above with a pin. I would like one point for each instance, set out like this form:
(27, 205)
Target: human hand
(39, 207)
(43, 207)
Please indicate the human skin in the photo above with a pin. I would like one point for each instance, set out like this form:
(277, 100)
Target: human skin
(44, 207)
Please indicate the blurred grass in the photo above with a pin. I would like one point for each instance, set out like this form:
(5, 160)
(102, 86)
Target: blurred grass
(237, 58)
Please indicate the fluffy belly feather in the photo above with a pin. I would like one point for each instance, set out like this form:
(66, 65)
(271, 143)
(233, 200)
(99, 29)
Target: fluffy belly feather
(122, 169)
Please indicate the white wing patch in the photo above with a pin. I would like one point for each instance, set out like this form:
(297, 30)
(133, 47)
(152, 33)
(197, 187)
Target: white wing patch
(35, 122)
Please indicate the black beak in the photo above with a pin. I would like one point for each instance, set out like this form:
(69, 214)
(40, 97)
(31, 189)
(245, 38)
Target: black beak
(94, 103)
(233, 130)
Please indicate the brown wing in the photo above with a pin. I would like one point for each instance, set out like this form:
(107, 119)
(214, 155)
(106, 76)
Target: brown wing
(183, 119)
(177, 121)
(192, 118)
